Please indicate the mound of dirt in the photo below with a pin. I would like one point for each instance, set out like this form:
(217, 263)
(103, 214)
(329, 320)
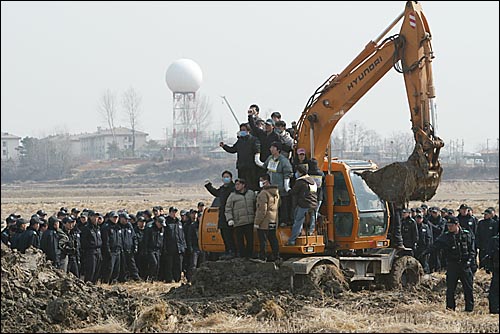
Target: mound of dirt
(36, 297)
(236, 276)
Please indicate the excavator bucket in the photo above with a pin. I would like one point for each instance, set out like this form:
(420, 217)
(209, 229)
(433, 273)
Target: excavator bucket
(401, 182)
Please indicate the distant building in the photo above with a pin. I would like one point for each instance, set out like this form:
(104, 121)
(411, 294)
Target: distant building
(95, 145)
(9, 145)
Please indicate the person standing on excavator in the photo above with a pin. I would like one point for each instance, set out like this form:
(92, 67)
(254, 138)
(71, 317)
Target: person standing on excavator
(266, 218)
(305, 201)
(223, 193)
(240, 213)
(266, 136)
(248, 161)
(279, 169)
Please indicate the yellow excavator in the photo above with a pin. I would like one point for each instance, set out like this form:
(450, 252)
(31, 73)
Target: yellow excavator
(352, 232)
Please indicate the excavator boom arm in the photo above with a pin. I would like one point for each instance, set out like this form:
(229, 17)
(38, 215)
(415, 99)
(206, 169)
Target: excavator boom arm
(410, 53)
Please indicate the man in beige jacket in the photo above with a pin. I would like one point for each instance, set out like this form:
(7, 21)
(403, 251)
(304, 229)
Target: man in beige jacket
(240, 213)
(266, 218)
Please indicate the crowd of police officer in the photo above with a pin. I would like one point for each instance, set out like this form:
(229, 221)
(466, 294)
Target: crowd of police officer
(151, 245)
(441, 240)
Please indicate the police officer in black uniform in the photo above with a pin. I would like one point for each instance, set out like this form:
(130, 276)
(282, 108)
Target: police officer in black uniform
(140, 257)
(460, 251)
(112, 247)
(91, 241)
(466, 221)
(128, 268)
(486, 229)
(491, 265)
(409, 231)
(72, 247)
(425, 240)
(174, 246)
(438, 226)
(153, 242)
(30, 237)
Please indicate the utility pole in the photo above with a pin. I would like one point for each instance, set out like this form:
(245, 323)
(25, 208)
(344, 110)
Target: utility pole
(498, 155)
(487, 149)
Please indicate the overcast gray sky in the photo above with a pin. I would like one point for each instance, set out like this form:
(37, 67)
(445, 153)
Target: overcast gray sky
(58, 58)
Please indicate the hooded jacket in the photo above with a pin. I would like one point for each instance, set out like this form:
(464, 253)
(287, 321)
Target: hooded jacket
(266, 213)
(304, 192)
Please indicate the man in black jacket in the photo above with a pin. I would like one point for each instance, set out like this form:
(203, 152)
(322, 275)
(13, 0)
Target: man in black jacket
(174, 246)
(197, 256)
(140, 257)
(30, 237)
(460, 251)
(223, 193)
(266, 137)
(91, 241)
(72, 247)
(53, 242)
(486, 229)
(128, 268)
(248, 161)
(112, 248)
(409, 231)
(153, 242)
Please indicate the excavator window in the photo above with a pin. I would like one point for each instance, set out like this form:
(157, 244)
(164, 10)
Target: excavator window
(366, 199)
(372, 210)
(372, 223)
(343, 224)
(340, 193)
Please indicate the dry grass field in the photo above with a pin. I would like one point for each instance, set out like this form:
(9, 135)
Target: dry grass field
(422, 310)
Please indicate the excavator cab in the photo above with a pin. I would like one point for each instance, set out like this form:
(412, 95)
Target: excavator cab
(360, 217)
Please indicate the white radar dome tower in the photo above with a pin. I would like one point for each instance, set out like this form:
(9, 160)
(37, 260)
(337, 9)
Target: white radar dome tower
(184, 76)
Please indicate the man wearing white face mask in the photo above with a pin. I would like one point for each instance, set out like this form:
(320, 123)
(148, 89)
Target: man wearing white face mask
(247, 148)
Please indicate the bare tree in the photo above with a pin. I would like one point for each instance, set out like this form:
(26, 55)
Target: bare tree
(202, 113)
(107, 109)
(402, 144)
(131, 102)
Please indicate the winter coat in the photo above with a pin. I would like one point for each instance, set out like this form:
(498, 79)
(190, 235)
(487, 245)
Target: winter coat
(223, 193)
(52, 244)
(153, 238)
(90, 239)
(240, 208)
(28, 238)
(486, 229)
(129, 239)
(266, 139)
(425, 239)
(111, 234)
(175, 240)
(467, 223)
(409, 232)
(266, 213)
(304, 192)
(278, 169)
(192, 236)
(246, 147)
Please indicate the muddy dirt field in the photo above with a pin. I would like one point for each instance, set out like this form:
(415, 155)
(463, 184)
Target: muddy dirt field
(37, 298)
